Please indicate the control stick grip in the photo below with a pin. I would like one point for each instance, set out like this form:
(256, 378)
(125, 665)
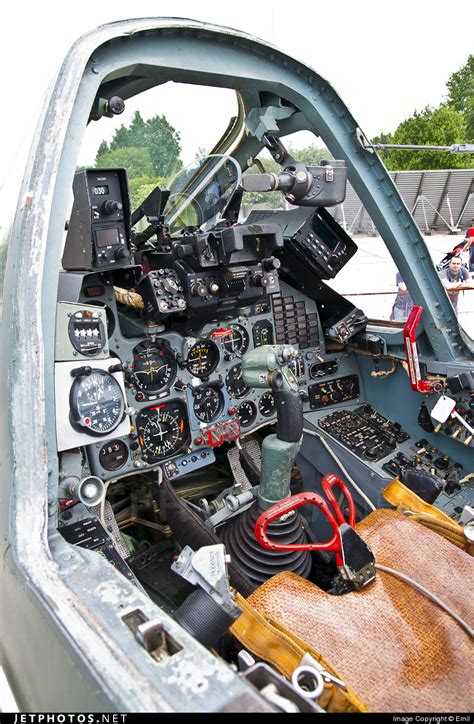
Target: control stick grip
(289, 408)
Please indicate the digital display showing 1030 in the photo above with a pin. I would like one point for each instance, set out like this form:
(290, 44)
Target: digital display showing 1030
(100, 190)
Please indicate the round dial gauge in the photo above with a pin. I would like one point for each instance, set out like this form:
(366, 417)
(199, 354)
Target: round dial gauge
(234, 382)
(113, 455)
(162, 430)
(266, 404)
(154, 367)
(247, 413)
(208, 403)
(236, 341)
(97, 403)
(203, 358)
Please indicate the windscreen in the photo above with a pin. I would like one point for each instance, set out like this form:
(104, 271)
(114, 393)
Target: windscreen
(200, 192)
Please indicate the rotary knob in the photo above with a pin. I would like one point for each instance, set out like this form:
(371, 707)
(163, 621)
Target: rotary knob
(110, 206)
(199, 290)
(121, 253)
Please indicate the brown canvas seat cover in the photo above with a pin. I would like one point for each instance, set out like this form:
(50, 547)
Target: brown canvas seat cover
(397, 649)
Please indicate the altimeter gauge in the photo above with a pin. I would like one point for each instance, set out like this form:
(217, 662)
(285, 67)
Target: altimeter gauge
(208, 403)
(247, 412)
(96, 402)
(266, 404)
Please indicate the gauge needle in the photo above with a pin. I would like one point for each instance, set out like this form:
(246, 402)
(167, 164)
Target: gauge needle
(159, 433)
(150, 370)
(99, 386)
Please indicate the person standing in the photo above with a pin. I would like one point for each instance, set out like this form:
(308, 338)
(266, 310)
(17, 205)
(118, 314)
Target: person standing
(403, 303)
(455, 278)
(469, 245)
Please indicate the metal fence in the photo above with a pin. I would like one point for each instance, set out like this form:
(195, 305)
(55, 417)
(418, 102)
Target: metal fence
(438, 200)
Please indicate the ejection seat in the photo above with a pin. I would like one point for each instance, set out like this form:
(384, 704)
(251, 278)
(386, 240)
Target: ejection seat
(393, 647)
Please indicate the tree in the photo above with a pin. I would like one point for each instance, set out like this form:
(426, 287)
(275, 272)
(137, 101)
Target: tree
(310, 155)
(136, 160)
(461, 94)
(442, 126)
(156, 135)
(451, 122)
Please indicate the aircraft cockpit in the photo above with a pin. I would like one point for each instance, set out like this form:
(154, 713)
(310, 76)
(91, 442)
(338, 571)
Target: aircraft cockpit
(227, 456)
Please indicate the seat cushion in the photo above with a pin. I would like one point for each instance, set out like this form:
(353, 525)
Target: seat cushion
(395, 647)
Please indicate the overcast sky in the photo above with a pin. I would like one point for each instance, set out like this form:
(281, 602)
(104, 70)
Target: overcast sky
(384, 59)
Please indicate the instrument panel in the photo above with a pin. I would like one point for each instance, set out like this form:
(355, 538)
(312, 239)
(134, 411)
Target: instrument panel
(185, 395)
(169, 399)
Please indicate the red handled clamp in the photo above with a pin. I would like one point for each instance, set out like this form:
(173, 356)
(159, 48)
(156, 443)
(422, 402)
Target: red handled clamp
(353, 557)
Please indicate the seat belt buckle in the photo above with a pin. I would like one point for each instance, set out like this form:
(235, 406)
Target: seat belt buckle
(358, 562)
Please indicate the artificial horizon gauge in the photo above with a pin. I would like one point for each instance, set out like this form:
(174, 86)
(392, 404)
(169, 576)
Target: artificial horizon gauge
(96, 402)
(208, 403)
(235, 342)
(163, 430)
(203, 358)
(154, 367)
(234, 382)
(247, 412)
(266, 404)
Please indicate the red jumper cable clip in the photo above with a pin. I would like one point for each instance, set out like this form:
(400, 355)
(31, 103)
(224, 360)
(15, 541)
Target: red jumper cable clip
(354, 558)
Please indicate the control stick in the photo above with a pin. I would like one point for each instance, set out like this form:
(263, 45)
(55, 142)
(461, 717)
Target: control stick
(267, 367)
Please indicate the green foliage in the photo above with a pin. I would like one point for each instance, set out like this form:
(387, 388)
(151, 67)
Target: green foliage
(103, 148)
(141, 186)
(136, 160)
(440, 126)
(149, 150)
(449, 123)
(461, 94)
(382, 138)
(311, 155)
(156, 136)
